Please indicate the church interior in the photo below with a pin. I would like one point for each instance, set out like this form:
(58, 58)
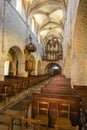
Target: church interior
(43, 64)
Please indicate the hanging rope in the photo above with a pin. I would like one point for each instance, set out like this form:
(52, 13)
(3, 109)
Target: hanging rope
(3, 25)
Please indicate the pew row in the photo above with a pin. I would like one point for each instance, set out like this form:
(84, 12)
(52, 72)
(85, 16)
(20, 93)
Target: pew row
(60, 83)
(14, 85)
(54, 99)
(81, 90)
(58, 90)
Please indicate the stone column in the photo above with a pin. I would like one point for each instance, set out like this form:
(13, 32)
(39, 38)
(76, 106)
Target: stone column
(1, 67)
(21, 70)
(67, 64)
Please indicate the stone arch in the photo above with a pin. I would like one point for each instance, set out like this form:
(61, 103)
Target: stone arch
(79, 58)
(53, 69)
(16, 60)
(37, 58)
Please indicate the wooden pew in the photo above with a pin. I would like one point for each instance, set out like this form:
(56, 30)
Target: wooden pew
(60, 86)
(18, 84)
(53, 99)
(5, 90)
(60, 78)
(58, 90)
(81, 90)
(84, 107)
(13, 85)
(59, 82)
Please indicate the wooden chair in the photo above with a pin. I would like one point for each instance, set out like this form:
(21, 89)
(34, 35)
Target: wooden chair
(30, 124)
(5, 92)
(42, 112)
(24, 86)
(16, 89)
(63, 121)
(6, 120)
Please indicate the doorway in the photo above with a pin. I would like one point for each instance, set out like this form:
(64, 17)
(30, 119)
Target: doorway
(53, 69)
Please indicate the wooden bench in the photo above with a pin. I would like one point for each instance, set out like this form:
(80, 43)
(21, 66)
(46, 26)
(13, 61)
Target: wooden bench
(5, 90)
(6, 120)
(58, 90)
(59, 82)
(53, 99)
(57, 78)
(81, 90)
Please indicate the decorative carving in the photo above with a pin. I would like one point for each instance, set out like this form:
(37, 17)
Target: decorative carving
(29, 65)
(53, 49)
(30, 47)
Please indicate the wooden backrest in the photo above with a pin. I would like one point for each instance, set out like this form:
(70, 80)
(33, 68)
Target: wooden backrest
(57, 90)
(42, 107)
(73, 100)
(80, 90)
(6, 120)
(1, 88)
(63, 110)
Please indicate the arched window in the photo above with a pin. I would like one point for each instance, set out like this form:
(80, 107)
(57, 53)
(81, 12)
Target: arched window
(19, 6)
(6, 67)
(33, 25)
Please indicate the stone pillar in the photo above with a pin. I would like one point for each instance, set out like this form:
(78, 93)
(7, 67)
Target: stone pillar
(1, 67)
(79, 56)
(21, 70)
(67, 64)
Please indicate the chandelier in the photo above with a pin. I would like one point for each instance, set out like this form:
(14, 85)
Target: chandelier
(30, 47)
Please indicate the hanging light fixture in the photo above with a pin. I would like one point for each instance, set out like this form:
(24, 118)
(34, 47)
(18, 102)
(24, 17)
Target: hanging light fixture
(30, 47)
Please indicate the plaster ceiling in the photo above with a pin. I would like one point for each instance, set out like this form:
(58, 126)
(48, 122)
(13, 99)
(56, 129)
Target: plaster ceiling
(49, 16)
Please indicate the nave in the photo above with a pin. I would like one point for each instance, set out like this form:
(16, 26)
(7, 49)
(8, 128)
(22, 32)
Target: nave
(38, 40)
(26, 100)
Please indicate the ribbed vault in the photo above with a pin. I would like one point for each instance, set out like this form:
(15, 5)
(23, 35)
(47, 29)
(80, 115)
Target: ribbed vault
(49, 16)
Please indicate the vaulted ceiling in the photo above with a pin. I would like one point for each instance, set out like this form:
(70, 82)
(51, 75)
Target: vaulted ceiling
(49, 16)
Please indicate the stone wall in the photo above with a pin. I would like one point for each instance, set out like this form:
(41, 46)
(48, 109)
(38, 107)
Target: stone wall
(14, 36)
(68, 36)
(79, 58)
